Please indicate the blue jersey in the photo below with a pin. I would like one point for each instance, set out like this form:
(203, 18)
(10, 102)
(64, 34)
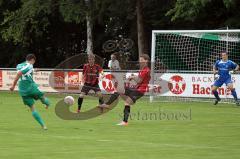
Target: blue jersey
(224, 67)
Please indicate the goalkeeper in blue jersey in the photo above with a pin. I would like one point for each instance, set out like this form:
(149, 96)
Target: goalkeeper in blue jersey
(222, 68)
(28, 89)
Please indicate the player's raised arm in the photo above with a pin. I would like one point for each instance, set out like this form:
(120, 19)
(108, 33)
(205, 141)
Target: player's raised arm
(18, 75)
(236, 67)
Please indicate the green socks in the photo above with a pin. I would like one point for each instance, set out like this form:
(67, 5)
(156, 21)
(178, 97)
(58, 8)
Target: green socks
(38, 118)
(45, 101)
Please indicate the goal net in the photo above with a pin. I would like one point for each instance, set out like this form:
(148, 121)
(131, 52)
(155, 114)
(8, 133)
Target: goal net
(182, 62)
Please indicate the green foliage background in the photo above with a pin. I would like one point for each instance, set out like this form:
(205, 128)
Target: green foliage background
(56, 29)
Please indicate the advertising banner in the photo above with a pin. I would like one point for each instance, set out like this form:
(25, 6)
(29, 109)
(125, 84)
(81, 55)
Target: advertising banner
(1, 79)
(166, 84)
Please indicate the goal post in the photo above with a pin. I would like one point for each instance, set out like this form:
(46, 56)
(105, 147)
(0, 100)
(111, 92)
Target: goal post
(182, 61)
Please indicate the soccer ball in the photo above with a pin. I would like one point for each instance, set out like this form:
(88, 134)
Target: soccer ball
(69, 100)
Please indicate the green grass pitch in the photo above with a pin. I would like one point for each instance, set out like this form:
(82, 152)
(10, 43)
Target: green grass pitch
(202, 131)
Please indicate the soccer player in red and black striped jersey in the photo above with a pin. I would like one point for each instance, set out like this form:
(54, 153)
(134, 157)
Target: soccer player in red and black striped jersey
(91, 74)
(133, 94)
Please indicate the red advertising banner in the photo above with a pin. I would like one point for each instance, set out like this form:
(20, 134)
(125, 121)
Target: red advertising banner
(1, 79)
(73, 81)
(59, 80)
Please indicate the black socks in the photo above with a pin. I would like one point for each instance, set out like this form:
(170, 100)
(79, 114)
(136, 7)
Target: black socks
(80, 100)
(101, 101)
(112, 98)
(126, 113)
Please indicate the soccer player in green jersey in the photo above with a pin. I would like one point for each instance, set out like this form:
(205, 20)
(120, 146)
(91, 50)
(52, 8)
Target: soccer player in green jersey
(28, 89)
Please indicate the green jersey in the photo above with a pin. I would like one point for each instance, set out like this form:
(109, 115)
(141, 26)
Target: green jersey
(26, 84)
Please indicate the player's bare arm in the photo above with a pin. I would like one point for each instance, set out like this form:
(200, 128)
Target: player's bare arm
(19, 74)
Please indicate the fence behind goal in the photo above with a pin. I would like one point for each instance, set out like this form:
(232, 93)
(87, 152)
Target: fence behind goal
(184, 59)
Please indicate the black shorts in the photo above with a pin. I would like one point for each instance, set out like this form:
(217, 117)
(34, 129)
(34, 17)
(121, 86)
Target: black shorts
(87, 87)
(133, 94)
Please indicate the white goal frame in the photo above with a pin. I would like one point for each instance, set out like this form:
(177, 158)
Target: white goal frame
(153, 47)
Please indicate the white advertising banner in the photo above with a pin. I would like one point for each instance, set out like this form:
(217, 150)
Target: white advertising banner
(166, 84)
(41, 78)
(191, 85)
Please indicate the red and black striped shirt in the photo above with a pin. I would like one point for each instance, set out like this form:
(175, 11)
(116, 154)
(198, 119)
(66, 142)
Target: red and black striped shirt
(91, 73)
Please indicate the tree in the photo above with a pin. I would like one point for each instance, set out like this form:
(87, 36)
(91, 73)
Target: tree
(77, 11)
(142, 44)
(12, 52)
(89, 21)
(55, 29)
(127, 20)
(27, 22)
(213, 13)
